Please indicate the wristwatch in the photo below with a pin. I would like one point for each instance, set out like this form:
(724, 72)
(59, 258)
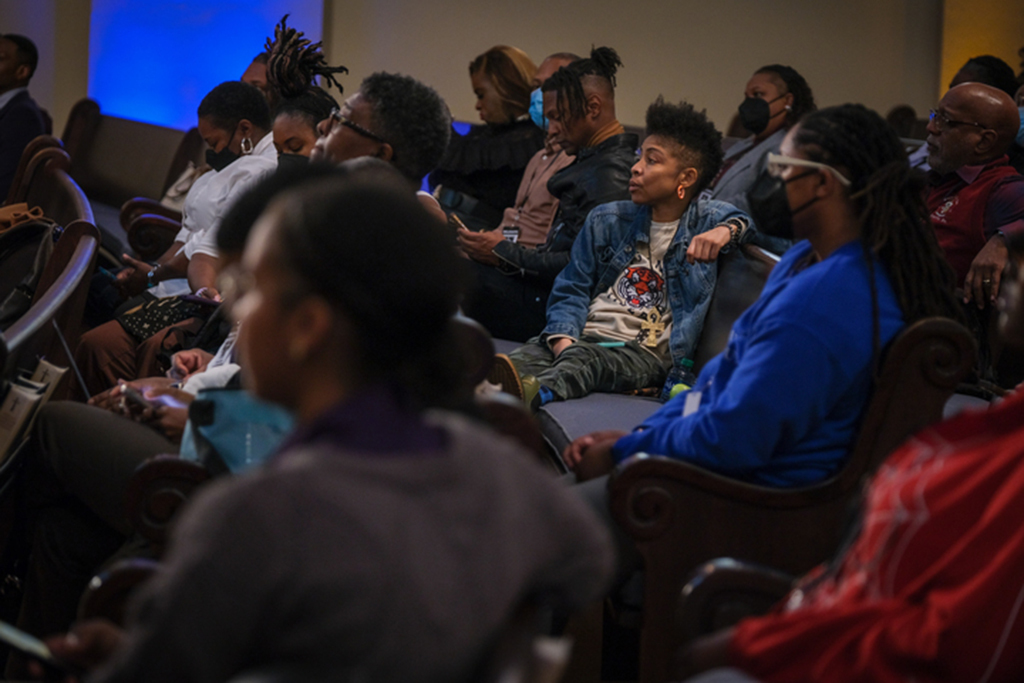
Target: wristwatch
(149, 278)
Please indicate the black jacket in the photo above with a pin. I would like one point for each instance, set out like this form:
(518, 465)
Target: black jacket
(599, 175)
(20, 122)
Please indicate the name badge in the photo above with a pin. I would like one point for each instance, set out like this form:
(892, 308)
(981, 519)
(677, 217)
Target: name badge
(692, 402)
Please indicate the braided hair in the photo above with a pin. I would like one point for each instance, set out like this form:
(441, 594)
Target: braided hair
(295, 62)
(603, 63)
(888, 198)
(795, 84)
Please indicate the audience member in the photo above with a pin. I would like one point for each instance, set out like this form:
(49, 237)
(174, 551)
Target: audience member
(988, 70)
(295, 125)
(777, 97)
(381, 542)
(929, 589)
(579, 102)
(81, 457)
(20, 117)
(392, 117)
(234, 120)
(477, 177)
(528, 220)
(781, 405)
(975, 194)
(256, 75)
(296, 65)
(629, 306)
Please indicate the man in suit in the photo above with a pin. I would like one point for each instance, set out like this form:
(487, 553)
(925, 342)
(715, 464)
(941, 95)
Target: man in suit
(20, 117)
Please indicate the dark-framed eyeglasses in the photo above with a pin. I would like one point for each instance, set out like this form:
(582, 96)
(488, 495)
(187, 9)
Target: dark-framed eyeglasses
(337, 117)
(943, 122)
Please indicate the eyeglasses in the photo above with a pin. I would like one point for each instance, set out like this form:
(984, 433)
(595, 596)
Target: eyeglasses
(943, 122)
(777, 165)
(337, 117)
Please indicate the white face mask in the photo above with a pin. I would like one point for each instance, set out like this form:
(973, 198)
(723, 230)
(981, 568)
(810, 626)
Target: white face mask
(1020, 131)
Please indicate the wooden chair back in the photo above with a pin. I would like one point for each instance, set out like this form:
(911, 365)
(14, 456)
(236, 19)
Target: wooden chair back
(52, 189)
(59, 300)
(31, 149)
(116, 159)
(681, 516)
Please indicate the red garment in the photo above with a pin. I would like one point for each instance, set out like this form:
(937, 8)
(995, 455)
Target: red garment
(959, 208)
(932, 588)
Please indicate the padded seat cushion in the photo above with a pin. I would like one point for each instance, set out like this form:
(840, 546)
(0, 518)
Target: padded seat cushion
(563, 421)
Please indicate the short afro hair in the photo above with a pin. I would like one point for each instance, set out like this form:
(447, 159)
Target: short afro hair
(27, 53)
(691, 130)
(992, 71)
(232, 101)
(412, 117)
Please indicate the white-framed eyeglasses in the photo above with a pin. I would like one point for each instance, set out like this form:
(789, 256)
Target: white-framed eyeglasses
(777, 165)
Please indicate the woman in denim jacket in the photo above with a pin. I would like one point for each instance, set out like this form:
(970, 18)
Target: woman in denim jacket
(632, 300)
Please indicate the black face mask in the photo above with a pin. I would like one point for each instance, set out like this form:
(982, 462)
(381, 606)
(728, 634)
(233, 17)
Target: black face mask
(220, 160)
(769, 205)
(755, 114)
(290, 162)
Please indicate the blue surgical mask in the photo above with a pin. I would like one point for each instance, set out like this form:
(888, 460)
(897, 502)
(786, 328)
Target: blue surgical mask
(1020, 131)
(537, 109)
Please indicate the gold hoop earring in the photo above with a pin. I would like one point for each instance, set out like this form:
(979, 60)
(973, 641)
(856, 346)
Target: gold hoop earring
(681, 192)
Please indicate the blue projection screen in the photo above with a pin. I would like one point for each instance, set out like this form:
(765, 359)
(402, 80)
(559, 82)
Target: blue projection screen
(154, 61)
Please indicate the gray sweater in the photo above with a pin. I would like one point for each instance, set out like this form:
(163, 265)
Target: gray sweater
(357, 567)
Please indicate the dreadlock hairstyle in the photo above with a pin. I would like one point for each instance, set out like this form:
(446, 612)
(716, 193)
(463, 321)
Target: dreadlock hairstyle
(295, 62)
(795, 84)
(699, 140)
(603, 63)
(889, 201)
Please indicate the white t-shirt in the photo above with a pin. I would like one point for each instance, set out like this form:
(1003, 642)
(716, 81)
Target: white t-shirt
(635, 307)
(209, 199)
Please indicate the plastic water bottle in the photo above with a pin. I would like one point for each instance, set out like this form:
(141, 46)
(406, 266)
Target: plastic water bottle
(680, 378)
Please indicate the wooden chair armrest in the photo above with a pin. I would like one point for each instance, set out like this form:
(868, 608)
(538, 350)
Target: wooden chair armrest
(108, 592)
(150, 235)
(156, 490)
(135, 207)
(723, 591)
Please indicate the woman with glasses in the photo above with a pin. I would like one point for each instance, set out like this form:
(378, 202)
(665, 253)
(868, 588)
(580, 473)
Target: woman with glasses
(781, 405)
(481, 171)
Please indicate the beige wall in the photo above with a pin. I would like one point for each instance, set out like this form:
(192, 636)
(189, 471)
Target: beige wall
(980, 27)
(60, 30)
(879, 52)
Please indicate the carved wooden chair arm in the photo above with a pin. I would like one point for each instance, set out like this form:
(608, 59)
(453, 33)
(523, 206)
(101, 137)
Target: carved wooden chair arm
(156, 490)
(150, 235)
(723, 591)
(135, 207)
(108, 592)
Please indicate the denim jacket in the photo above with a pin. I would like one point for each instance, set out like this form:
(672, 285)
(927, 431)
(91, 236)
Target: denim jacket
(605, 247)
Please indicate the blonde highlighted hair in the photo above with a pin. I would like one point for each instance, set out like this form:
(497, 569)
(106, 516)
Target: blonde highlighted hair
(511, 71)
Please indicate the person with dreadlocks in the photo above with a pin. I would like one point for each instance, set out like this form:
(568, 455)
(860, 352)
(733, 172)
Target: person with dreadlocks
(294, 65)
(579, 102)
(930, 587)
(776, 97)
(781, 405)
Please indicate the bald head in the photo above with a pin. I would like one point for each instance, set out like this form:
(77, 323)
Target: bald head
(974, 124)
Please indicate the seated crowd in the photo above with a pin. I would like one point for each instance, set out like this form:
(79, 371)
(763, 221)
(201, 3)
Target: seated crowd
(382, 530)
